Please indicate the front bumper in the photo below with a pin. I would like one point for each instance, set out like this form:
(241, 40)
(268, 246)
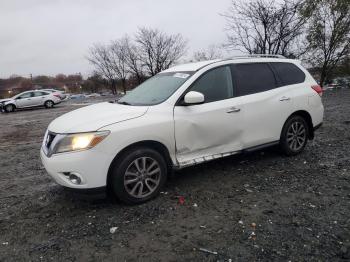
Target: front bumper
(318, 126)
(90, 165)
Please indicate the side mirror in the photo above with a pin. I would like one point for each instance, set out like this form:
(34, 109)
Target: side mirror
(194, 98)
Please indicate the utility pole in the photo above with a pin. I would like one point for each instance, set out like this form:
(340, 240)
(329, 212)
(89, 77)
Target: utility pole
(31, 80)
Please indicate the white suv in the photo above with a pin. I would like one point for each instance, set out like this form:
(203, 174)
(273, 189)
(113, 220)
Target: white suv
(183, 116)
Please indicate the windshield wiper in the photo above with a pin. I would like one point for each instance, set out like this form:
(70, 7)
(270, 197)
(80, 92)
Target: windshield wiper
(123, 103)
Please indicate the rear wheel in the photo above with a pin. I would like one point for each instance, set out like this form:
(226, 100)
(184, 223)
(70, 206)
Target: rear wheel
(49, 104)
(294, 136)
(10, 108)
(138, 176)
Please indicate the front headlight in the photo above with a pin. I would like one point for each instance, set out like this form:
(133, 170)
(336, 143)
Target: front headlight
(81, 141)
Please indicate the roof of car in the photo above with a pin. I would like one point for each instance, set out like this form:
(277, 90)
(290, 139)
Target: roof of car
(190, 67)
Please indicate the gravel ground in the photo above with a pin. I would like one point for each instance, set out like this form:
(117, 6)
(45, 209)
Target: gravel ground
(297, 207)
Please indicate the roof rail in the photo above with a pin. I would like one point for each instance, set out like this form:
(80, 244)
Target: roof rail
(257, 56)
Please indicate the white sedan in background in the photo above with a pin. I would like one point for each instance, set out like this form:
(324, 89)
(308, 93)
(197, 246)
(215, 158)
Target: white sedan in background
(30, 99)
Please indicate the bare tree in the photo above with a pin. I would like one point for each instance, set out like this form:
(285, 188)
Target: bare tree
(158, 51)
(212, 52)
(133, 60)
(149, 53)
(328, 34)
(265, 26)
(119, 56)
(101, 58)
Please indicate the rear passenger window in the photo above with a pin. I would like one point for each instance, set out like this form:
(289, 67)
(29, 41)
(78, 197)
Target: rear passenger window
(288, 73)
(253, 78)
(38, 93)
(215, 85)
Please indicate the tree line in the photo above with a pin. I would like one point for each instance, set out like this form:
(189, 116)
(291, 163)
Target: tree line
(25, 83)
(315, 31)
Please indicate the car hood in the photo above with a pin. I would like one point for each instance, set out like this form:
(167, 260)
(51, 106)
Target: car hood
(4, 100)
(94, 117)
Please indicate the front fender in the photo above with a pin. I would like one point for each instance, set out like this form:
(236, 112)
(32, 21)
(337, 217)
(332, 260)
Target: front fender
(145, 128)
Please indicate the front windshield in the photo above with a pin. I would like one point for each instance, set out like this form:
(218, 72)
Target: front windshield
(156, 89)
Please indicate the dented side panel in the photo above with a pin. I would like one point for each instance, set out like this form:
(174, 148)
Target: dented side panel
(207, 131)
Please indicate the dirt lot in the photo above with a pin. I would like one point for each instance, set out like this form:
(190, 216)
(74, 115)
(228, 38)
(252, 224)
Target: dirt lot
(300, 205)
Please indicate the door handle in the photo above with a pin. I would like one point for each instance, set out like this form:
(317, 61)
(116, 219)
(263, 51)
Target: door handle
(233, 110)
(284, 98)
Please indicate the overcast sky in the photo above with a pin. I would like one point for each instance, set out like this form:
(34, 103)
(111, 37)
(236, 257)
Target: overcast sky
(53, 36)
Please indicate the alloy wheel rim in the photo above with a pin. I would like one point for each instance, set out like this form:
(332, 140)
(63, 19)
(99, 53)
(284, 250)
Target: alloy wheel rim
(49, 104)
(296, 136)
(142, 177)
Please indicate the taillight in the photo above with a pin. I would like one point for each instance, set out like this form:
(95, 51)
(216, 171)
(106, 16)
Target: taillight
(317, 89)
(56, 95)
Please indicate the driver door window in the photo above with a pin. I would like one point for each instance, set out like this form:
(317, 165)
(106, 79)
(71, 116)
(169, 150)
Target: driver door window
(215, 85)
(26, 95)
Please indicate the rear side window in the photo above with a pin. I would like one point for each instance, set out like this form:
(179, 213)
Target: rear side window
(253, 78)
(39, 93)
(215, 85)
(288, 73)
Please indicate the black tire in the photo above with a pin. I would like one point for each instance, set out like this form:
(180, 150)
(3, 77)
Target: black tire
(126, 162)
(10, 108)
(49, 104)
(294, 135)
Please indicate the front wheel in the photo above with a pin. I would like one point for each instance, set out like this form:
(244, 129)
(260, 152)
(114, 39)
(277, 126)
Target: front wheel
(294, 136)
(9, 108)
(138, 176)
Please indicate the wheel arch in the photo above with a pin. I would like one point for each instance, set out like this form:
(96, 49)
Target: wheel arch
(306, 115)
(155, 145)
(49, 100)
